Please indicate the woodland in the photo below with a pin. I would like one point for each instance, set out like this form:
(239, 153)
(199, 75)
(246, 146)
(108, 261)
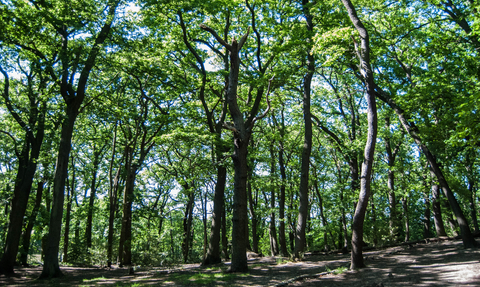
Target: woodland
(155, 133)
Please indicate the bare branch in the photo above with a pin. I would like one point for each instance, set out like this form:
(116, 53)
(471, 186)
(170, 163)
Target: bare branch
(215, 35)
(268, 102)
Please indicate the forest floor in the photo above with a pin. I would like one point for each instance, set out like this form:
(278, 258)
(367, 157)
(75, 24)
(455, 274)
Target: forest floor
(444, 263)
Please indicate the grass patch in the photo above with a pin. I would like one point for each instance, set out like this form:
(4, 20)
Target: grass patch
(202, 278)
(340, 270)
(94, 279)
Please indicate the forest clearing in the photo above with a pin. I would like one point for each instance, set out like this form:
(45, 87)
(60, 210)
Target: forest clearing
(443, 263)
(159, 136)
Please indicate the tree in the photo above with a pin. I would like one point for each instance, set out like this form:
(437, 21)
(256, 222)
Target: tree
(33, 123)
(363, 53)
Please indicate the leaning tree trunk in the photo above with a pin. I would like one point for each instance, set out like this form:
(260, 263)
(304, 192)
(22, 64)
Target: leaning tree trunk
(367, 165)
(467, 236)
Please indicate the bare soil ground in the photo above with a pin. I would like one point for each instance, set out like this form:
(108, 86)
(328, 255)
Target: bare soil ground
(435, 264)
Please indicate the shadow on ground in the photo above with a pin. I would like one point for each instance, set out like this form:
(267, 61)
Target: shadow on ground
(435, 264)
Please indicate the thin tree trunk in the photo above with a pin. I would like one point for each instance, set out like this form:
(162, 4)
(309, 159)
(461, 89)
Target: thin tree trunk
(391, 155)
(88, 230)
(112, 199)
(226, 254)
(300, 238)
(125, 246)
(374, 223)
(273, 230)
(406, 217)
(281, 203)
(364, 57)
(426, 215)
(213, 255)
(253, 217)
(437, 211)
(467, 236)
(204, 214)
(187, 224)
(66, 233)
(26, 236)
(322, 216)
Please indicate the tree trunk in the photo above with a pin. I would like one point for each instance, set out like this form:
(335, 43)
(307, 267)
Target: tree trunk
(405, 216)
(125, 246)
(273, 229)
(374, 223)
(23, 184)
(300, 239)
(187, 223)
(242, 131)
(367, 165)
(253, 216)
(391, 155)
(91, 201)
(450, 219)
(205, 236)
(213, 255)
(426, 215)
(112, 199)
(73, 100)
(322, 216)
(26, 236)
(467, 236)
(226, 254)
(51, 267)
(66, 233)
(281, 203)
(437, 211)
(27, 166)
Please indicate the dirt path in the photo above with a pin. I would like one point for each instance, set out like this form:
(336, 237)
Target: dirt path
(435, 264)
